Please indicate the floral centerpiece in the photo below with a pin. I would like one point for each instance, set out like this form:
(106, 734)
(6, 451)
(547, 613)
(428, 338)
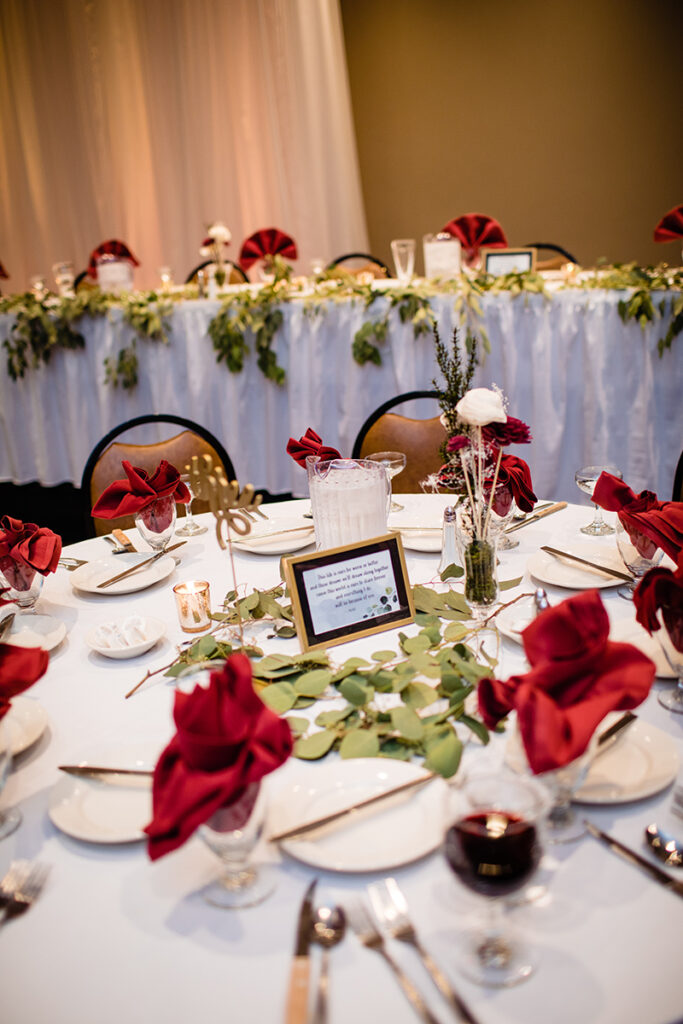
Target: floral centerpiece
(218, 239)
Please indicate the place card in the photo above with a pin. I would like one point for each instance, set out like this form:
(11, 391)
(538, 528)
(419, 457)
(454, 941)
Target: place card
(348, 592)
(507, 261)
(442, 254)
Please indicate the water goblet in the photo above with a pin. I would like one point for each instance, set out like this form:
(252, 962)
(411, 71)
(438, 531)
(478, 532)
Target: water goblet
(403, 251)
(394, 463)
(232, 833)
(494, 846)
(156, 523)
(639, 555)
(64, 278)
(23, 582)
(9, 819)
(190, 527)
(670, 638)
(586, 480)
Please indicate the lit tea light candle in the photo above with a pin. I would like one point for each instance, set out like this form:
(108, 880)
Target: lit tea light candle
(193, 604)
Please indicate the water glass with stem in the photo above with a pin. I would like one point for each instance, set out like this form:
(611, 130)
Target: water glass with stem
(394, 463)
(232, 833)
(639, 555)
(190, 527)
(586, 479)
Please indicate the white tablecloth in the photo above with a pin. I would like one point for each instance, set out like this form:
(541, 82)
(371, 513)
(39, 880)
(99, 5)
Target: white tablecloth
(115, 938)
(592, 389)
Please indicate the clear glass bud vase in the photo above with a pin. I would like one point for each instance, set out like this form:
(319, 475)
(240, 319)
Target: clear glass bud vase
(479, 560)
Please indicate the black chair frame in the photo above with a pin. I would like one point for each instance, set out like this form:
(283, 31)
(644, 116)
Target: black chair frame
(391, 403)
(227, 263)
(553, 248)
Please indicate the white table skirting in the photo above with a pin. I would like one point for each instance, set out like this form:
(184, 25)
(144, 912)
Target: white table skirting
(592, 389)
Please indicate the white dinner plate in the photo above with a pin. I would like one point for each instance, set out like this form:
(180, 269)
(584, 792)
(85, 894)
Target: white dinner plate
(512, 620)
(560, 572)
(420, 539)
(87, 576)
(626, 632)
(383, 837)
(26, 721)
(153, 630)
(36, 631)
(106, 810)
(268, 537)
(639, 764)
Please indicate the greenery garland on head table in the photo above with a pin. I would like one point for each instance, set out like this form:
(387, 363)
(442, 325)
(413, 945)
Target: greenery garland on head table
(45, 324)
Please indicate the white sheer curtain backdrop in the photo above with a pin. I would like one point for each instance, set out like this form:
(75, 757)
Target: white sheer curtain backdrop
(145, 120)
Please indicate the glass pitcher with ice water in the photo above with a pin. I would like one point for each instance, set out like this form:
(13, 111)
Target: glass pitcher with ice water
(349, 500)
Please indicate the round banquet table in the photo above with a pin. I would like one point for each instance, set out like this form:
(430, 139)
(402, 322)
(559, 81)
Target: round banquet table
(117, 938)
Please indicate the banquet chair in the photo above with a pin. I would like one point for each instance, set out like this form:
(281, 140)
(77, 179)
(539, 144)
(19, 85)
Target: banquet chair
(555, 262)
(678, 481)
(419, 439)
(360, 263)
(234, 273)
(104, 462)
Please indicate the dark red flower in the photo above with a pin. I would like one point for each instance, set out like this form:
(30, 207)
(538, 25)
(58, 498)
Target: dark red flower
(457, 443)
(513, 431)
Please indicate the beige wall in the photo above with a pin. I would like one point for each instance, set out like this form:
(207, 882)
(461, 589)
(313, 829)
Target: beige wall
(562, 120)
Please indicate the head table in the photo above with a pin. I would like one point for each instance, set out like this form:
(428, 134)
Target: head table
(115, 938)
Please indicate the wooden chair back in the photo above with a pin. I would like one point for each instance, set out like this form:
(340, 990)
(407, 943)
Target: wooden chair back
(421, 440)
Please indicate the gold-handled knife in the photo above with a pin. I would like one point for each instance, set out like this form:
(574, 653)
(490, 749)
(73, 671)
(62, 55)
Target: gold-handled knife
(592, 565)
(124, 540)
(557, 507)
(93, 771)
(297, 997)
(328, 819)
(6, 625)
(632, 857)
(140, 565)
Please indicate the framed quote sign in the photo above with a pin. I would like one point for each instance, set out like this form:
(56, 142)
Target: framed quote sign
(345, 593)
(507, 261)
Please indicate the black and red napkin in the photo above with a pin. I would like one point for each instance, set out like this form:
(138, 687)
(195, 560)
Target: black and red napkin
(26, 549)
(267, 242)
(577, 675)
(650, 523)
(514, 483)
(20, 667)
(226, 740)
(662, 590)
(310, 444)
(139, 491)
(474, 230)
(111, 248)
(670, 227)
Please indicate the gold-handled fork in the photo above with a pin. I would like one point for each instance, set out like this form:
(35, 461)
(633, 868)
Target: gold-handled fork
(24, 889)
(391, 910)
(369, 935)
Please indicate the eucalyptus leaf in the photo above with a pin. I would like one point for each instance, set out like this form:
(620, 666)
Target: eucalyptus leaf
(313, 683)
(509, 584)
(444, 751)
(298, 725)
(477, 727)
(452, 572)
(279, 697)
(407, 722)
(359, 743)
(312, 748)
(383, 656)
(419, 695)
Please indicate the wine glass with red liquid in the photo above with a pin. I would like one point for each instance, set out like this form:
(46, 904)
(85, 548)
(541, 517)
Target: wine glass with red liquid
(494, 846)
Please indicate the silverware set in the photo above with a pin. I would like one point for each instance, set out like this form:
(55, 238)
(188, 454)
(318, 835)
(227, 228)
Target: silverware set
(21, 887)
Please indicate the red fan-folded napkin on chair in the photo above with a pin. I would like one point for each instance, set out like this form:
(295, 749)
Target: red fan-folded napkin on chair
(474, 230)
(670, 227)
(26, 549)
(267, 242)
(138, 491)
(513, 484)
(111, 248)
(226, 740)
(577, 676)
(20, 667)
(650, 523)
(310, 444)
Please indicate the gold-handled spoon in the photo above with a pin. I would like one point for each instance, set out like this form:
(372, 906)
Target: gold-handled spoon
(329, 927)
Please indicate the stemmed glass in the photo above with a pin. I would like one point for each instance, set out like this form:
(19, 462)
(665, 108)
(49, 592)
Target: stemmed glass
(635, 561)
(24, 584)
(494, 846)
(190, 527)
(156, 523)
(403, 252)
(232, 834)
(9, 819)
(670, 638)
(394, 463)
(586, 480)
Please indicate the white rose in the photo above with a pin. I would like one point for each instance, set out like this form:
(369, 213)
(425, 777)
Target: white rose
(481, 406)
(205, 252)
(219, 232)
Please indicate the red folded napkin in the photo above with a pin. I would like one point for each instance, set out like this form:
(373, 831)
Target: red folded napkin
(140, 491)
(267, 242)
(662, 590)
(20, 667)
(475, 230)
(111, 248)
(514, 482)
(310, 444)
(26, 549)
(650, 523)
(577, 675)
(670, 227)
(226, 740)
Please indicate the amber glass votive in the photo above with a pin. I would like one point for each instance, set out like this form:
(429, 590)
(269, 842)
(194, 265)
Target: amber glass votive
(193, 604)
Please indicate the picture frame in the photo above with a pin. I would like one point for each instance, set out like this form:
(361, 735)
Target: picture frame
(508, 261)
(339, 594)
